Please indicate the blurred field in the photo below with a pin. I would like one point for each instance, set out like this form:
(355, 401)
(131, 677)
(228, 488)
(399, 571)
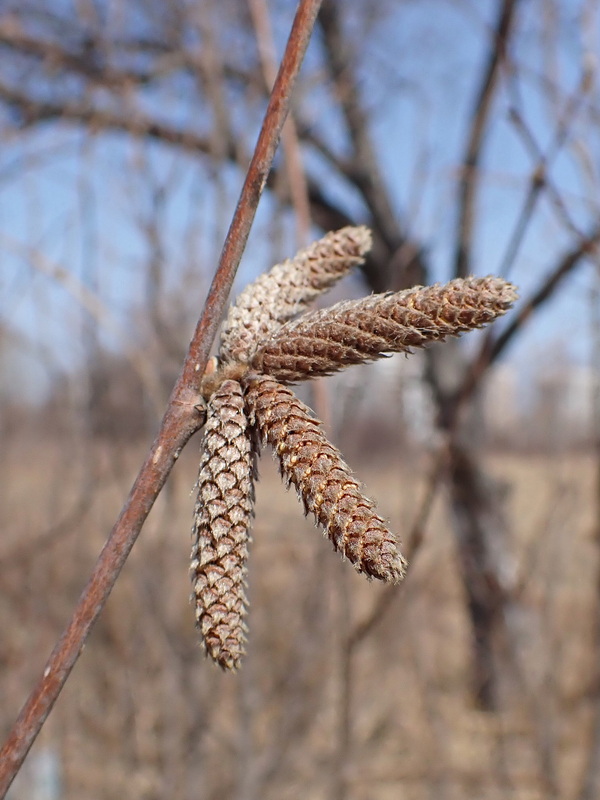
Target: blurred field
(144, 715)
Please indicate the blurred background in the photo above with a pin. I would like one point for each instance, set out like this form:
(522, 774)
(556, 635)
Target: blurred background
(465, 133)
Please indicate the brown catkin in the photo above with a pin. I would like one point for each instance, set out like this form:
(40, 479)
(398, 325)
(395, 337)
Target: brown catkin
(356, 331)
(322, 479)
(288, 288)
(222, 519)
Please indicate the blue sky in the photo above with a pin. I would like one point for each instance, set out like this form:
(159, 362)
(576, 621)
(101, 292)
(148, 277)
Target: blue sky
(85, 202)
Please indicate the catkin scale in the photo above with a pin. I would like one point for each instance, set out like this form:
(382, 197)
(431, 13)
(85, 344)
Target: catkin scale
(323, 481)
(222, 518)
(288, 288)
(357, 331)
(247, 402)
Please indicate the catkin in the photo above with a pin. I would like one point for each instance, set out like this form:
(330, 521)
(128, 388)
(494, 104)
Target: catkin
(222, 519)
(322, 479)
(262, 348)
(288, 288)
(356, 331)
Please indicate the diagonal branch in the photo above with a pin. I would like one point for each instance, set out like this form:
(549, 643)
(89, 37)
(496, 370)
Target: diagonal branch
(181, 419)
(545, 291)
(494, 345)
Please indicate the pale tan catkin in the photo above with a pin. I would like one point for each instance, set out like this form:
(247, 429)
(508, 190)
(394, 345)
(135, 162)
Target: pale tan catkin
(356, 331)
(222, 518)
(288, 288)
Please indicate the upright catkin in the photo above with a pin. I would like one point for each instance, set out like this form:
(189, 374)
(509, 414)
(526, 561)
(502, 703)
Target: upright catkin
(356, 331)
(222, 519)
(288, 288)
(323, 480)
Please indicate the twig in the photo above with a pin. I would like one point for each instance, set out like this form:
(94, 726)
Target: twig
(367, 177)
(289, 137)
(414, 542)
(540, 179)
(493, 346)
(541, 174)
(481, 109)
(181, 419)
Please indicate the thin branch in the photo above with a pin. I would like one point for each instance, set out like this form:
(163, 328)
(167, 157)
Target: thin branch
(537, 182)
(545, 291)
(396, 261)
(540, 178)
(181, 419)
(289, 137)
(542, 169)
(414, 542)
(367, 175)
(31, 111)
(493, 346)
(213, 78)
(482, 106)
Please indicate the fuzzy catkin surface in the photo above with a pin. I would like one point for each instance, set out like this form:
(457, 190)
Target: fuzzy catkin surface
(222, 519)
(356, 331)
(323, 480)
(288, 288)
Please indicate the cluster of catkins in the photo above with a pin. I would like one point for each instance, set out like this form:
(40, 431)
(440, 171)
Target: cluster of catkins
(269, 341)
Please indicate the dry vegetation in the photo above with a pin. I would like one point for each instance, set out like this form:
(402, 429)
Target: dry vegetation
(145, 715)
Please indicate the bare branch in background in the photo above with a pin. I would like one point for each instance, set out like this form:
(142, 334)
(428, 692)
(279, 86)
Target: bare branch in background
(180, 422)
(289, 137)
(496, 103)
(482, 107)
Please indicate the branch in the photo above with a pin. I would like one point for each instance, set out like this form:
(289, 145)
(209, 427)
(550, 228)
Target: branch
(493, 346)
(545, 291)
(181, 419)
(89, 61)
(298, 188)
(366, 176)
(540, 174)
(33, 111)
(469, 182)
(395, 262)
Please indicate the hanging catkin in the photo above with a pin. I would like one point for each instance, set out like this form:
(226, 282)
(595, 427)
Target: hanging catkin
(222, 518)
(264, 347)
(323, 480)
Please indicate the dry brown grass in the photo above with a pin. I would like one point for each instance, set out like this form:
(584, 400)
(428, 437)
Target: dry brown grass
(145, 715)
